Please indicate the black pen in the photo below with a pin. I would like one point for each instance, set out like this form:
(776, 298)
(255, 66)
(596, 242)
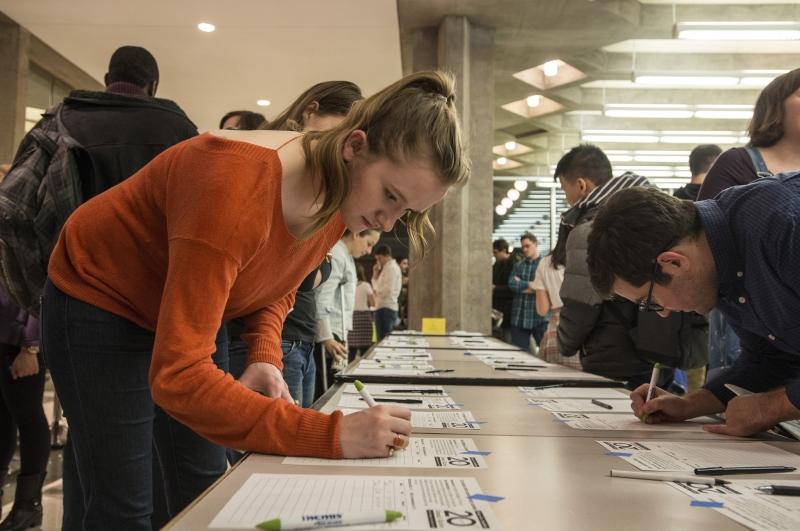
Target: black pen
(409, 391)
(432, 371)
(397, 400)
(529, 369)
(549, 386)
(601, 404)
(779, 490)
(728, 470)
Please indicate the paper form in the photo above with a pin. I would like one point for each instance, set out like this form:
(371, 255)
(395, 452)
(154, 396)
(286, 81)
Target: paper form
(416, 342)
(616, 421)
(742, 503)
(402, 356)
(426, 502)
(428, 402)
(399, 350)
(385, 371)
(621, 405)
(573, 392)
(459, 420)
(563, 373)
(408, 389)
(421, 452)
(671, 456)
(395, 364)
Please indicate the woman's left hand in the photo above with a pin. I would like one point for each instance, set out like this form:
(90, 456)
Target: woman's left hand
(25, 364)
(266, 379)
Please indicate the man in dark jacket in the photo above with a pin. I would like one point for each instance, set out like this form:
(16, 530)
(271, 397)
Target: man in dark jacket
(502, 296)
(599, 329)
(701, 159)
(126, 126)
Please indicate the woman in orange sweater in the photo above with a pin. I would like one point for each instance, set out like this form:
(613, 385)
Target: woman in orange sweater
(143, 275)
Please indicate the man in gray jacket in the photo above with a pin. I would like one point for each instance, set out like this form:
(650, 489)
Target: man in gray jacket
(602, 331)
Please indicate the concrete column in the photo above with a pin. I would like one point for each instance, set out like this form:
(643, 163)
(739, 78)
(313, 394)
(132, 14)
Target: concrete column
(14, 47)
(454, 279)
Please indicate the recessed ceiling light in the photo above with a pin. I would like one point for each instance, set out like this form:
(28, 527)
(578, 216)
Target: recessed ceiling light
(513, 194)
(506, 202)
(206, 27)
(521, 185)
(500, 210)
(511, 145)
(533, 101)
(550, 68)
(502, 161)
(263, 103)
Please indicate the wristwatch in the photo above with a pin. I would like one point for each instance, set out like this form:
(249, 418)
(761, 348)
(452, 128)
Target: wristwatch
(33, 349)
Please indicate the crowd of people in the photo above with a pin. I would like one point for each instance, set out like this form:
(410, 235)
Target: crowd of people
(209, 286)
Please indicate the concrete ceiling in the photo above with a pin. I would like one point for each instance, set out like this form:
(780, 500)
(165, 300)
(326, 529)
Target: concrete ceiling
(261, 49)
(610, 41)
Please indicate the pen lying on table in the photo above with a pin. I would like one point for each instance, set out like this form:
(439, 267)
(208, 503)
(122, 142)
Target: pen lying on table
(779, 490)
(666, 476)
(397, 400)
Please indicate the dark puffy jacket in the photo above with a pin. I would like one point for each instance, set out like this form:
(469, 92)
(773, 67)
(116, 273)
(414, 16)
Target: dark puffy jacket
(120, 134)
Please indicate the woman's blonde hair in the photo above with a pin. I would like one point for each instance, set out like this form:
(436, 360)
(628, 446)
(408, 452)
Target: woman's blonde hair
(412, 119)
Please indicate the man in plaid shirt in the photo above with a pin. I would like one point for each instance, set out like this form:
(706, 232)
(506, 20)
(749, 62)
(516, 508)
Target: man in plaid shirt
(524, 319)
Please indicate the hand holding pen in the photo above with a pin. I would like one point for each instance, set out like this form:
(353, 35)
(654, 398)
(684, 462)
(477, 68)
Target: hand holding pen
(376, 431)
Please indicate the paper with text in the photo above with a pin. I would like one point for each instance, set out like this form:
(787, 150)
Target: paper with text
(621, 405)
(427, 402)
(456, 420)
(686, 456)
(573, 392)
(392, 390)
(616, 421)
(422, 452)
(426, 502)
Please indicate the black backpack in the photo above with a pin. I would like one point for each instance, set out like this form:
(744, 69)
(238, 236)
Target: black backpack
(40, 191)
(679, 340)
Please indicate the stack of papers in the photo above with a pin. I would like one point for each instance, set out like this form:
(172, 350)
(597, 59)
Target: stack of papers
(405, 341)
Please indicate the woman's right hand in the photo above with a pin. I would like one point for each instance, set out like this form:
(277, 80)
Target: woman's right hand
(371, 432)
(662, 407)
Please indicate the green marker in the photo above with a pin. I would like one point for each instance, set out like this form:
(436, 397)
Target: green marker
(364, 393)
(318, 521)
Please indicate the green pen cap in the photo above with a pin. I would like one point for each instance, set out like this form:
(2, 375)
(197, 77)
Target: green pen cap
(391, 516)
(359, 385)
(270, 525)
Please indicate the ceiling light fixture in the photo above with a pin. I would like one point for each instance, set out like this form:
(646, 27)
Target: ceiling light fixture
(533, 101)
(550, 68)
(502, 161)
(513, 194)
(521, 185)
(500, 210)
(506, 202)
(738, 31)
(510, 145)
(263, 103)
(687, 80)
(206, 27)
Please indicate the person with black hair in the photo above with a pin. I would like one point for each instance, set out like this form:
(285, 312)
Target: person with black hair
(242, 120)
(701, 159)
(739, 253)
(600, 330)
(502, 296)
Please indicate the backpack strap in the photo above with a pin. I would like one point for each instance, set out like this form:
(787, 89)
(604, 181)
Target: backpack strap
(758, 162)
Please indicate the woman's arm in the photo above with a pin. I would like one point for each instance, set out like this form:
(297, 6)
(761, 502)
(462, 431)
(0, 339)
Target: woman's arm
(542, 302)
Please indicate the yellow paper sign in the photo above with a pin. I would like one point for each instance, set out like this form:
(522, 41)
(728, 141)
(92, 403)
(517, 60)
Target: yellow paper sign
(434, 325)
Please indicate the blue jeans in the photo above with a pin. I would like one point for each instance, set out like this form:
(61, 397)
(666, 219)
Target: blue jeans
(384, 321)
(99, 363)
(299, 370)
(521, 337)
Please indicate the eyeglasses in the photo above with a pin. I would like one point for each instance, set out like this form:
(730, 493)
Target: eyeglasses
(647, 305)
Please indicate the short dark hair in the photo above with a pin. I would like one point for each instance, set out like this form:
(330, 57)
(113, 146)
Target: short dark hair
(630, 230)
(529, 236)
(766, 126)
(500, 245)
(361, 275)
(587, 161)
(702, 157)
(248, 120)
(132, 64)
(383, 250)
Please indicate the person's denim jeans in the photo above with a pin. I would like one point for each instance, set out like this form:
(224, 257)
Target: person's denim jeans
(521, 337)
(385, 318)
(299, 370)
(99, 363)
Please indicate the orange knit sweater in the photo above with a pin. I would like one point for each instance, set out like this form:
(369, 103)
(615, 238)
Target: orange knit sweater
(194, 238)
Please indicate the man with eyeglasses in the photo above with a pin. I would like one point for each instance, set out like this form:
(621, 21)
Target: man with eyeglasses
(738, 253)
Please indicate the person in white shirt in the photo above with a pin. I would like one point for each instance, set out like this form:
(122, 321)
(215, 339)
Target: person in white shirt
(387, 282)
(360, 337)
(334, 297)
(547, 285)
